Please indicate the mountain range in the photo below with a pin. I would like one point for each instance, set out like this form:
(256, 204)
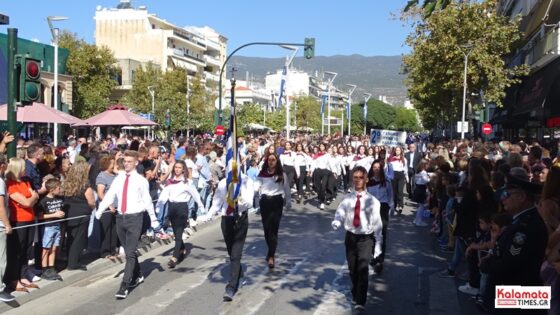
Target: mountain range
(378, 75)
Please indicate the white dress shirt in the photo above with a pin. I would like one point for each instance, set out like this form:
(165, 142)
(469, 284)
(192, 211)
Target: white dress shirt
(322, 162)
(244, 200)
(370, 217)
(287, 158)
(138, 195)
(422, 178)
(268, 186)
(179, 192)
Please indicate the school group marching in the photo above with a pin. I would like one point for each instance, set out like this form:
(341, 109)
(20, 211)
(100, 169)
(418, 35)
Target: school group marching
(135, 187)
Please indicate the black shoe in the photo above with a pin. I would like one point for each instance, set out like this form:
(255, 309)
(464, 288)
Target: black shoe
(6, 297)
(139, 279)
(79, 267)
(123, 292)
(378, 268)
(359, 309)
(172, 263)
(228, 294)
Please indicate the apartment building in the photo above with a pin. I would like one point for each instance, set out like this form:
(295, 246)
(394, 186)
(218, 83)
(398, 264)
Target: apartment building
(138, 37)
(531, 108)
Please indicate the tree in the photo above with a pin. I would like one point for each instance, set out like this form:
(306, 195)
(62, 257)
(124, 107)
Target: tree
(248, 114)
(428, 6)
(435, 67)
(405, 119)
(201, 105)
(308, 112)
(93, 72)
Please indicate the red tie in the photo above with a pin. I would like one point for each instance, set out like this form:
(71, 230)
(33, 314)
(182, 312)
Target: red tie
(357, 211)
(124, 194)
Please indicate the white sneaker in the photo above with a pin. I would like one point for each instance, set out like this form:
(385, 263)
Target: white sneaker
(467, 289)
(188, 231)
(322, 206)
(192, 222)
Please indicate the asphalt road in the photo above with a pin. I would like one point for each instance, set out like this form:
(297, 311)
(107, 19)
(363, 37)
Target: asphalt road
(311, 276)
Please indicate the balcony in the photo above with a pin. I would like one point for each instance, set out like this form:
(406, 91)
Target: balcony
(184, 35)
(544, 51)
(212, 77)
(182, 53)
(212, 61)
(210, 44)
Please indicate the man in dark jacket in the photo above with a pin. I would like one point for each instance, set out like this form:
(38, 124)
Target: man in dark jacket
(520, 249)
(412, 159)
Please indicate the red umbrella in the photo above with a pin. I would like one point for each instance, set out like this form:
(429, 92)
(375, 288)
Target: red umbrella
(40, 113)
(117, 115)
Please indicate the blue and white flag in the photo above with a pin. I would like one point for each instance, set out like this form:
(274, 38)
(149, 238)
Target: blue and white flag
(282, 86)
(233, 163)
(365, 111)
(348, 109)
(323, 102)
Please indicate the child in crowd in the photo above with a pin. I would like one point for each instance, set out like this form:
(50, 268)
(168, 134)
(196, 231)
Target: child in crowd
(447, 242)
(52, 209)
(500, 222)
(252, 173)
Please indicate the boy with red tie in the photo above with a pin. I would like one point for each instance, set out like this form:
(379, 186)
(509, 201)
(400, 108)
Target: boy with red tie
(359, 213)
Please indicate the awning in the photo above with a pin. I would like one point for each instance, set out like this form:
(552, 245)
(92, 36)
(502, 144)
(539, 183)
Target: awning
(183, 64)
(534, 90)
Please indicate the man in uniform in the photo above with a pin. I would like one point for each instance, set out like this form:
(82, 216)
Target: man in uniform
(520, 248)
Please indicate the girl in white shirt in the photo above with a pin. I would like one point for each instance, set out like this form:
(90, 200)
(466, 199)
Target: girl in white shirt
(347, 160)
(302, 162)
(421, 179)
(321, 174)
(272, 185)
(400, 173)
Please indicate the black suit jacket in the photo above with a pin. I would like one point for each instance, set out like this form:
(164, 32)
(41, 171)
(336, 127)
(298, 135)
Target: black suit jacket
(415, 162)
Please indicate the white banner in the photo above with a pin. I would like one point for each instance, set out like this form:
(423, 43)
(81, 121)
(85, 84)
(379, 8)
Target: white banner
(390, 138)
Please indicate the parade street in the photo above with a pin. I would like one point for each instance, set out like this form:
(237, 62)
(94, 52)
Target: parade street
(311, 276)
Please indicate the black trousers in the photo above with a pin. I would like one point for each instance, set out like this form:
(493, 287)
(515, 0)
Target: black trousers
(129, 227)
(411, 183)
(347, 179)
(320, 183)
(358, 255)
(177, 214)
(301, 180)
(234, 230)
(331, 187)
(308, 183)
(398, 188)
(18, 245)
(385, 220)
(271, 214)
(291, 174)
(76, 233)
(108, 235)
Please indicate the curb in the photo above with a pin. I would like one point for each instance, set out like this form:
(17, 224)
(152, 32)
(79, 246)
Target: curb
(98, 265)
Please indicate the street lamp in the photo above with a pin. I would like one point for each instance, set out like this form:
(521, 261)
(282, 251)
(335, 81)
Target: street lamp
(467, 49)
(54, 32)
(333, 74)
(366, 99)
(285, 72)
(153, 94)
(352, 88)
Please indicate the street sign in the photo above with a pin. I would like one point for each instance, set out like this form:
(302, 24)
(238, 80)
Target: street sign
(219, 130)
(486, 128)
(4, 19)
(465, 126)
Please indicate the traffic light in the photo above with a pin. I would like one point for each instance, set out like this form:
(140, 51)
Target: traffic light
(29, 84)
(309, 49)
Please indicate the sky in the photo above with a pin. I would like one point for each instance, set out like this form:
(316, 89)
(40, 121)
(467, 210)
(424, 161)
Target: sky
(340, 27)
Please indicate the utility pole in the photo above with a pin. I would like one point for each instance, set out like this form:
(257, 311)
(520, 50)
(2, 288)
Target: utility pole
(12, 79)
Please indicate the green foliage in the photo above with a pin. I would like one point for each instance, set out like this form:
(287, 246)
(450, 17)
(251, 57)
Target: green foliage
(383, 116)
(428, 6)
(201, 106)
(248, 114)
(92, 70)
(436, 65)
(308, 113)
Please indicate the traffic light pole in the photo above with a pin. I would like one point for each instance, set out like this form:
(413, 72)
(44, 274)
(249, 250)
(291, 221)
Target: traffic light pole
(12, 79)
(220, 113)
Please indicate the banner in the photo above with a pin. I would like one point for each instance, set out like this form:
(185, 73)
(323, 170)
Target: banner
(390, 138)
(323, 102)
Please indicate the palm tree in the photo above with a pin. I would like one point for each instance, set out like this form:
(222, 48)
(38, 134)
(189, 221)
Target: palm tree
(428, 6)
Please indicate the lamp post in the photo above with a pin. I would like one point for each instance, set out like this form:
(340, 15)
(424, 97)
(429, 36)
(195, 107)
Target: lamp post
(366, 100)
(333, 74)
(352, 88)
(153, 94)
(54, 32)
(285, 72)
(467, 49)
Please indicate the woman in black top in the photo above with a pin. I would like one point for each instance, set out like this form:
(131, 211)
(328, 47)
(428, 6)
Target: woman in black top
(79, 202)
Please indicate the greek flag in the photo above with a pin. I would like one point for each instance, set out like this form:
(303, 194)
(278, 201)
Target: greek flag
(323, 102)
(282, 86)
(233, 163)
(365, 111)
(348, 109)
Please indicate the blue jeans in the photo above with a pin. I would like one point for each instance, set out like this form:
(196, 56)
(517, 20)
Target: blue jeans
(162, 214)
(460, 248)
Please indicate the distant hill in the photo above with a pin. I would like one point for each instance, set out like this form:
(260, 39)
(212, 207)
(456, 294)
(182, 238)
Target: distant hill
(379, 75)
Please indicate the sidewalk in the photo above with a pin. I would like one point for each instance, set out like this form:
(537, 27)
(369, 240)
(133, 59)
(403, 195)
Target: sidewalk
(95, 266)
